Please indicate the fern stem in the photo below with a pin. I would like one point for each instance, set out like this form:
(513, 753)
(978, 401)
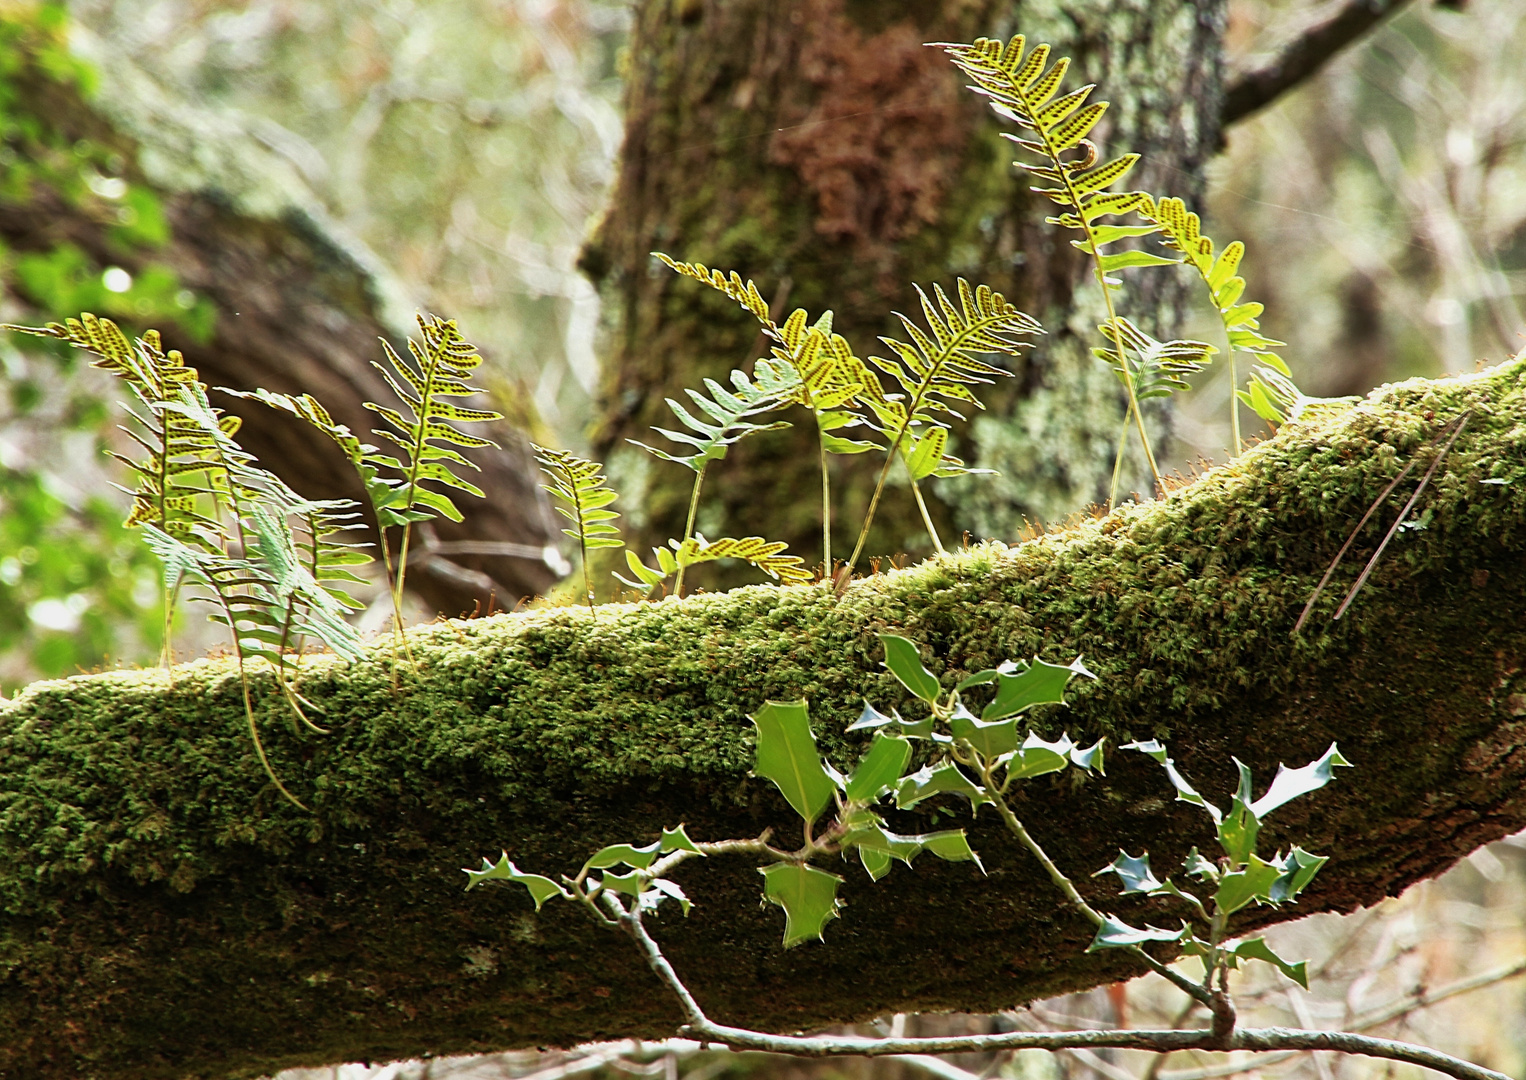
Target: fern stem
(1107, 300)
(826, 503)
(699, 479)
(1234, 404)
(577, 507)
(397, 587)
(1123, 442)
(874, 502)
(927, 520)
(243, 679)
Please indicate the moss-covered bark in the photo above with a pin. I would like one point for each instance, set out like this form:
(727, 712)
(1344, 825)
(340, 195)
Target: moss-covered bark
(164, 914)
(818, 147)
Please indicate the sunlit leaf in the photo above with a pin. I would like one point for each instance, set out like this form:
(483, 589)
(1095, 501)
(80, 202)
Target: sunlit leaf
(1133, 873)
(880, 768)
(786, 754)
(1117, 934)
(615, 854)
(929, 781)
(541, 888)
(1239, 887)
(1297, 870)
(1040, 683)
(1291, 783)
(1258, 949)
(675, 839)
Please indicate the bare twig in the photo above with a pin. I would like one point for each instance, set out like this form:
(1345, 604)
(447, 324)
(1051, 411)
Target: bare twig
(1372, 563)
(1303, 58)
(1275, 1038)
(1341, 554)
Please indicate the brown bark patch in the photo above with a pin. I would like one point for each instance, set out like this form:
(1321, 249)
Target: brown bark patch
(876, 127)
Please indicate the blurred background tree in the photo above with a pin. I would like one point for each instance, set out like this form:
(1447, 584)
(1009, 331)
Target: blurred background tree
(474, 142)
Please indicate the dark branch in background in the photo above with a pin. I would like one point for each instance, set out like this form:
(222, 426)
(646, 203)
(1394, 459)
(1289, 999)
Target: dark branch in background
(1303, 58)
(300, 306)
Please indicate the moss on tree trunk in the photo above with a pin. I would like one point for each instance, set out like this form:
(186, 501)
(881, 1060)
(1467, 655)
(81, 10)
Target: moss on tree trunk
(164, 914)
(818, 147)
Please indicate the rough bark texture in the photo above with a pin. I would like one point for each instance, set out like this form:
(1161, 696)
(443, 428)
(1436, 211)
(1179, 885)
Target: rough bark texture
(818, 147)
(164, 914)
(299, 308)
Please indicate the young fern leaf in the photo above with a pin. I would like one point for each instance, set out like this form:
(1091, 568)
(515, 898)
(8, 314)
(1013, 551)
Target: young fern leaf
(442, 363)
(1159, 368)
(730, 414)
(676, 557)
(1022, 85)
(809, 366)
(936, 367)
(1181, 231)
(580, 484)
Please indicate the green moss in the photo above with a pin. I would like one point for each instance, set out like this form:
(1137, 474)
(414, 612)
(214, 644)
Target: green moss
(166, 914)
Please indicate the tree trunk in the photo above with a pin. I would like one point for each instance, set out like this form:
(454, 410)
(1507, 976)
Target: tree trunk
(818, 147)
(164, 914)
(299, 306)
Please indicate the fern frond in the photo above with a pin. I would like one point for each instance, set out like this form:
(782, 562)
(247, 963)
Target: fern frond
(677, 556)
(442, 363)
(1157, 368)
(1022, 85)
(1181, 230)
(935, 371)
(578, 482)
(938, 366)
(728, 424)
(180, 467)
(808, 365)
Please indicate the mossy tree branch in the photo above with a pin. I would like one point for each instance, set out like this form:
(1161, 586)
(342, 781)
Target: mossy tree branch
(164, 914)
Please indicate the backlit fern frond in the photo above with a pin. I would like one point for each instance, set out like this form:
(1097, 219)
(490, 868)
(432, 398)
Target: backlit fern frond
(1022, 86)
(180, 463)
(935, 371)
(219, 522)
(1181, 230)
(766, 555)
(580, 484)
(807, 365)
(1158, 368)
(441, 365)
(728, 422)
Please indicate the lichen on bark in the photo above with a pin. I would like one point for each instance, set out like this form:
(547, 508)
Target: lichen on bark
(163, 914)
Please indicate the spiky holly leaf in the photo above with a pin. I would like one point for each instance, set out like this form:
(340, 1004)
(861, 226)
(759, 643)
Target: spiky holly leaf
(905, 663)
(1039, 683)
(1116, 934)
(1258, 949)
(541, 888)
(786, 753)
(879, 769)
(807, 895)
(1134, 873)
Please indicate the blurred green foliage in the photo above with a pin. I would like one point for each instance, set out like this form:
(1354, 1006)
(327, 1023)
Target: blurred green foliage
(77, 590)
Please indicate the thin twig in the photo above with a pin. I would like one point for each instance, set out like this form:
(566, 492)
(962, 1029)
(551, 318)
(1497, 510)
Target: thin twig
(1341, 554)
(1462, 422)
